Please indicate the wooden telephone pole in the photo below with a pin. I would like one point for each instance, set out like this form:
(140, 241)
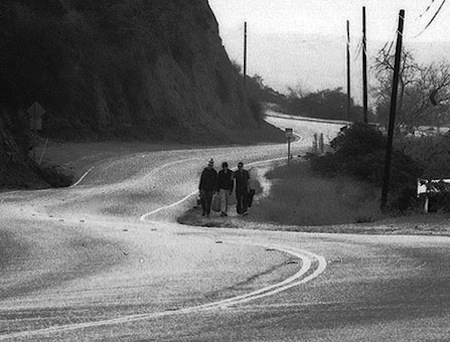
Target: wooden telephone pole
(364, 67)
(393, 108)
(245, 53)
(348, 71)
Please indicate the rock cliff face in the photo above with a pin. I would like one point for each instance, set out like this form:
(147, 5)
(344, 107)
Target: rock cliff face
(16, 170)
(134, 69)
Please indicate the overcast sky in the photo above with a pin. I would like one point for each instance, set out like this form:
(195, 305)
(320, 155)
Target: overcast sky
(328, 17)
(289, 24)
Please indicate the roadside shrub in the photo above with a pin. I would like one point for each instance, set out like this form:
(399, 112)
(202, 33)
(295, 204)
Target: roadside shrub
(256, 109)
(359, 152)
(298, 196)
(434, 153)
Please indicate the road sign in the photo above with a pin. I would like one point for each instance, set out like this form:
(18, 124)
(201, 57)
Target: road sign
(289, 133)
(36, 111)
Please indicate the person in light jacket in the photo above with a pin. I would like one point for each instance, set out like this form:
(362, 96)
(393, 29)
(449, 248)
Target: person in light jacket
(225, 186)
(207, 187)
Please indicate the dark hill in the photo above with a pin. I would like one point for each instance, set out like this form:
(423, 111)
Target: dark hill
(130, 69)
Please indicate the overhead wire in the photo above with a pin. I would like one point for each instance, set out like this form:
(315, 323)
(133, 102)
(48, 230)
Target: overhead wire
(358, 49)
(432, 18)
(427, 9)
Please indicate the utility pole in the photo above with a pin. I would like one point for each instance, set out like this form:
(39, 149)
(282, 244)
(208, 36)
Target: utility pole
(364, 67)
(245, 52)
(348, 71)
(393, 108)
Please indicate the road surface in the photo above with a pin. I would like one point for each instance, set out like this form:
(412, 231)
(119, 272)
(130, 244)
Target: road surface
(105, 260)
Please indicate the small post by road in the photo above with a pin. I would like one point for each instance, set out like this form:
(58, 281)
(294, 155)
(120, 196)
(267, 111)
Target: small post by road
(43, 151)
(289, 150)
(315, 144)
(289, 133)
(321, 144)
(393, 108)
(36, 111)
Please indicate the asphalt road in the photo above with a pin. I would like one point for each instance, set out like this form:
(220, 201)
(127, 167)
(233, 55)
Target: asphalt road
(105, 261)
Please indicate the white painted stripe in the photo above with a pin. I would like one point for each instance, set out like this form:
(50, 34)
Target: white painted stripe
(144, 217)
(82, 177)
(264, 292)
(272, 289)
(304, 118)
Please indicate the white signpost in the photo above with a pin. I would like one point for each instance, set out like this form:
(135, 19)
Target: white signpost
(289, 133)
(36, 111)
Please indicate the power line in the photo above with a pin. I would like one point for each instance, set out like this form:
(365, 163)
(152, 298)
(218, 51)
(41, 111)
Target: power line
(432, 19)
(427, 9)
(358, 49)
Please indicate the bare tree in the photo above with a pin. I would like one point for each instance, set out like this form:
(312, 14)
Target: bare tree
(419, 86)
(298, 91)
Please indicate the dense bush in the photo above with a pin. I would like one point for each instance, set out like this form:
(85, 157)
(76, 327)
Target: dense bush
(359, 151)
(434, 153)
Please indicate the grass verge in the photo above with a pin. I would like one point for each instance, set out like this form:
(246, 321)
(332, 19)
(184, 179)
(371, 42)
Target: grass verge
(298, 197)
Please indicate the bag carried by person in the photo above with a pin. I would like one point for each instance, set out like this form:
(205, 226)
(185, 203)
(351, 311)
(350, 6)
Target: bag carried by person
(250, 195)
(199, 200)
(215, 204)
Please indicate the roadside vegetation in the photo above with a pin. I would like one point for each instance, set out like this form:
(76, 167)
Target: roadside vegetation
(344, 185)
(300, 197)
(327, 104)
(359, 152)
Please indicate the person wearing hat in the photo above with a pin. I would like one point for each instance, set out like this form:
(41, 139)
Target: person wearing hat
(207, 187)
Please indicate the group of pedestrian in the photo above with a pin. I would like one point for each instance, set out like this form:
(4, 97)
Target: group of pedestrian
(222, 183)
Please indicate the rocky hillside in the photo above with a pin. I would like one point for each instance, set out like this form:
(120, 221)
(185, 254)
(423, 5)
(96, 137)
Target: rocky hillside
(129, 69)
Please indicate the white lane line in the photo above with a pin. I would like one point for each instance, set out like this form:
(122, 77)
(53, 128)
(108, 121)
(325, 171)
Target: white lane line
(303, 118)
(144, 217)
(81, 178)
(264, 292)
(289, 282)
(153, 171)
(275, 288)
(173, 163)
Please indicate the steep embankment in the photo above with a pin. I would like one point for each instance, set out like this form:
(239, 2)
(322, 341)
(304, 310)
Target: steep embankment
(153, 70)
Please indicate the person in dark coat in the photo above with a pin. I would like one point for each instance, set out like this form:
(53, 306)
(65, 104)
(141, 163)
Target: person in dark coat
(207, 187)
(241, 177)
(225, 186)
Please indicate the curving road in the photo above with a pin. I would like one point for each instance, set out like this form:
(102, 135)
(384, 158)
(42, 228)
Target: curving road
(104, 260)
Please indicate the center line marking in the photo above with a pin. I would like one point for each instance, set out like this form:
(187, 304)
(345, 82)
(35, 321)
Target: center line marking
(263, 292)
